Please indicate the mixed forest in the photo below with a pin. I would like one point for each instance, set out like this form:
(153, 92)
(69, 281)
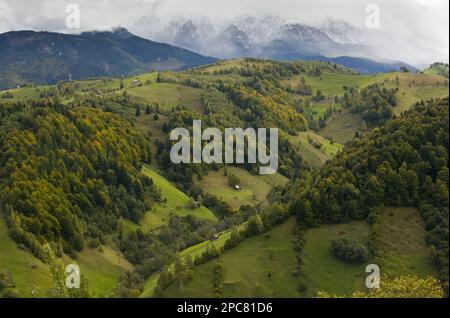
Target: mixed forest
(86, 178)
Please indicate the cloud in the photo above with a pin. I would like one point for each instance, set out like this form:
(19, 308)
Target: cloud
(413, 30)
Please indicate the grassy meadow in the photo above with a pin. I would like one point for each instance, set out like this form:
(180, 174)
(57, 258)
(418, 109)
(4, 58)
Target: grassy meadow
(30, 277)
(169, 96)
(254, 188)
(174, 203)
(401, 244)
(101, 267)
(322, 270)
(261, 266)
(309, 142)
(341, 127)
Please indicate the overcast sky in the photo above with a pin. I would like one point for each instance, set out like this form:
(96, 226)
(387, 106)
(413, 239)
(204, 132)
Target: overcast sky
(416, 31)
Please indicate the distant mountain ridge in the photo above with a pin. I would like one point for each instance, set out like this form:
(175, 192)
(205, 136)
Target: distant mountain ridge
(46, 57)
(29, 57)
(272, 38)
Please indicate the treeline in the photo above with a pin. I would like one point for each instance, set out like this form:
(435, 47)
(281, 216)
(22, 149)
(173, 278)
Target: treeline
(69, 174)
(269, 69)
(403, 163)
(153, 250)
(257, 223)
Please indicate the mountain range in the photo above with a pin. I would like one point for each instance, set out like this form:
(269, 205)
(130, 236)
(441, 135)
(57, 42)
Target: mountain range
(272, 38)
(45, 57)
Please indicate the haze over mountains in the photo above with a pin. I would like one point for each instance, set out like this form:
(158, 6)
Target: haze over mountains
(248, 35)
(44, 57)
(269, 37)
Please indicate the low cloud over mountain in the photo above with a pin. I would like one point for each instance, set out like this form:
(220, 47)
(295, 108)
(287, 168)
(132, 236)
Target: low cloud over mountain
(269, 37)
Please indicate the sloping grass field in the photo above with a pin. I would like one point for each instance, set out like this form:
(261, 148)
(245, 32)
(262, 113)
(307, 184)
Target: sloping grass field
(261, 266)
(193, 251)
(322, 270)
(412, 88)
(341, 127)
(169, 96)
(174, 204)
(308, 143)
(31, 277)
(416, 87)
(400, 249)
(101, 267)
(401, 243)
(254, 188)
(331, 84)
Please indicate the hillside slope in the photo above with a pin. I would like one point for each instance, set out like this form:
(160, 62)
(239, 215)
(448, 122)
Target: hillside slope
(44, 57)
(174, 203)
(402, 163)
(269, 259)
(438, 69)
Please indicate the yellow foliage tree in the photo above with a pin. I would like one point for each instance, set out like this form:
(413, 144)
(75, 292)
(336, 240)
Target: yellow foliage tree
(401, 287)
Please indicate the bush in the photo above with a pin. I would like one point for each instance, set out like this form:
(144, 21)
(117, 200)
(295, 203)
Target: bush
(234, 240)
(255, 226)
(192, 204)
(94, 243)
(302, 286)
(233, 181)
(349, 250)
(10, 294)
(218, 280)
(7, 95)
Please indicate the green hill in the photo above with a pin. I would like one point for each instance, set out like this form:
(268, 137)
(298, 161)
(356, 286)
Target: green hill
(381, 168)
(437, 69)
(85, 167)
(46, 58)
(343, 126)
(261, 266)
(174, 202)
(193, 251)
(169, 96)
(400, 249)
(414, 88)
(30, 277)
(410, 88)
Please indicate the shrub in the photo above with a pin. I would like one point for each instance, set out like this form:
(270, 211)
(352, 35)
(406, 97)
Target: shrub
(233, 181)
(192, 204)
(2, 285)
(349, 250)
(218, 280)
(255, 226)
(302, 286)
